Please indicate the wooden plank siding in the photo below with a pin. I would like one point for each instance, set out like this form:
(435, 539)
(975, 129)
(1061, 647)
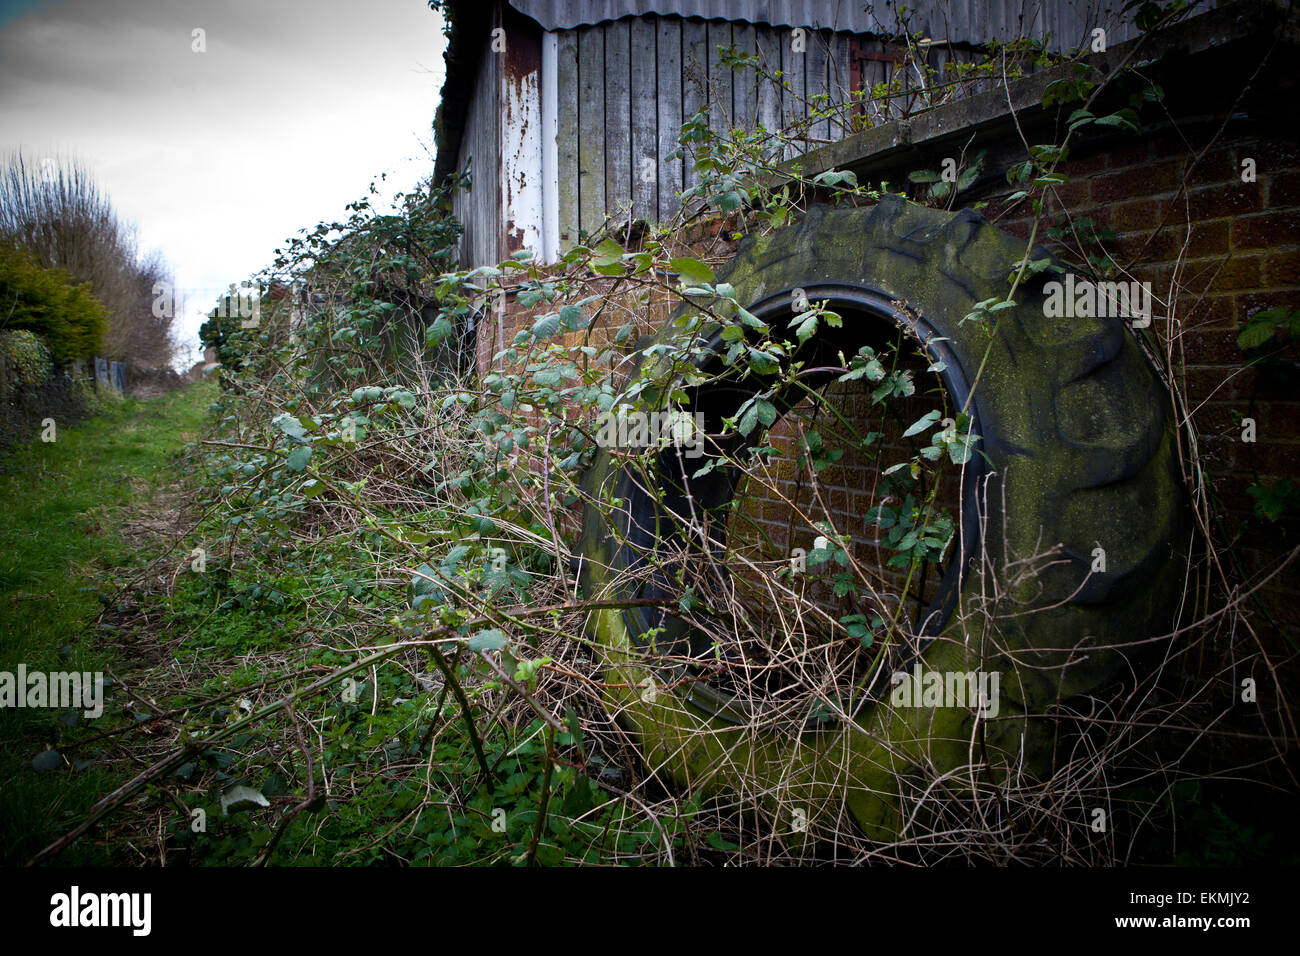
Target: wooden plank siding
(767, 44)
(644, 86)
(618, 122)
(744, 88)
(671, 80)
(815, 85)
(839, 82)
(695, 78)
(794, 95)
(592, 82)
(480, 151)
(566, 136)
(621, 91)
(721, 105)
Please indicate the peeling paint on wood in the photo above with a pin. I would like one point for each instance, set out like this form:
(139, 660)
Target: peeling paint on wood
(521, 138)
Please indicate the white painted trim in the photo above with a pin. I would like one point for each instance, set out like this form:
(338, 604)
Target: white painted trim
(550, 148)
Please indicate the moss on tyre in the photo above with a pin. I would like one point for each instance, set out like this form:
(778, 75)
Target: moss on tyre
(1081, 452)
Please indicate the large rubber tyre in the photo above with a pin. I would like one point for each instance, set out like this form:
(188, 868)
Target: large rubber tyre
(1081, 452)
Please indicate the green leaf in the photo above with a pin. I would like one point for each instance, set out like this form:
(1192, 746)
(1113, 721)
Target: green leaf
(1261, 328)
(47, 760)
(762, 363)
(572, 318)
(748, 419)
(311, 488)
(834, 177)
(607, 253)
(922, 423)
(608, 258)
(692, 270)
(298, 458)
(290, 426)
(424, 586)
(490, 640)
(439, 331)
(1125, 118)
(240, 794)
(804, 325)
(546, 326)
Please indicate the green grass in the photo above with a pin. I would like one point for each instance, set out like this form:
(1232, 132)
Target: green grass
(61, 547)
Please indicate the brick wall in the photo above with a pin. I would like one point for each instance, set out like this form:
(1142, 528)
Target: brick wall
(1216, 250)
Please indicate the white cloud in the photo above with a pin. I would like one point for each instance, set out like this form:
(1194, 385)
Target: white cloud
(219, 156)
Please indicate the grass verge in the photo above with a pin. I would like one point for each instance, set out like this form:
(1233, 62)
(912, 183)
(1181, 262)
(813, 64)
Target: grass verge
(64, 546)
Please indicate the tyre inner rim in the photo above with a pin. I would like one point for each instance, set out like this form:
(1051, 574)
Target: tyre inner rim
(652, 523)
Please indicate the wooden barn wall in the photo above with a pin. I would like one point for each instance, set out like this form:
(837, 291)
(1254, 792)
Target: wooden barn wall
(625, 87)
(479, 207)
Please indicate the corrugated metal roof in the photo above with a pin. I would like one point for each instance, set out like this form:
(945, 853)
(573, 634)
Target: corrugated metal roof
(973, 21)
(834, 14)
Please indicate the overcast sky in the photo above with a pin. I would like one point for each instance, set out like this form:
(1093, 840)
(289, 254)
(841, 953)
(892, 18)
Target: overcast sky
(218, 156)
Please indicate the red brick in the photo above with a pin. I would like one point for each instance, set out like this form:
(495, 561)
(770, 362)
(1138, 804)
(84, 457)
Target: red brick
(1275, 459)
(1220, 451)
(1163, 246)
(1137, 215)
(1084, 165)
(1217, 166)
(1217, 419)
(1216, 202)
(1168, 144)
(1264, 231)
(1224, 275)
(1249, 303)
(1072, 194)
(1284, 189)
(1271, 156)
(1209, 238)
(1133, 154)
(1141, 182)
(1282, 267)
(1204, 314)
(1281, 420)
(1204, 384)
(1203, 346)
